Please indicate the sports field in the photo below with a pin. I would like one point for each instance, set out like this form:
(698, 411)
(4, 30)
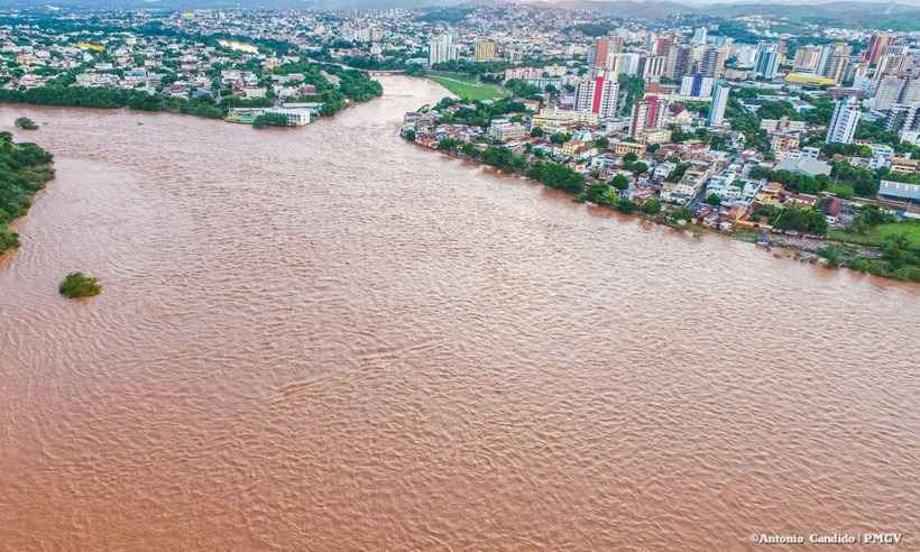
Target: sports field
(468, 88)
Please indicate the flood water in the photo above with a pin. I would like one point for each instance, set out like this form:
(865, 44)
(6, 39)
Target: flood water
(326, 339)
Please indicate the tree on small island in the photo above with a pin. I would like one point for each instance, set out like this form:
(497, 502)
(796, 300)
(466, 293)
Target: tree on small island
(26, 123)
(77, 284)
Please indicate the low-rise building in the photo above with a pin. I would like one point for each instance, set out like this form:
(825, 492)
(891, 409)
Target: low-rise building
(783, 124)
(622, 148)
(658, 136)
(905, 165)
(553, 120)
(732, 190)
(503, 130)
(899, 191)
(882, 155)
(781, 143)
(805, 165)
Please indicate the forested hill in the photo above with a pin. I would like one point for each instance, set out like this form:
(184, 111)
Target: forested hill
(24, 170)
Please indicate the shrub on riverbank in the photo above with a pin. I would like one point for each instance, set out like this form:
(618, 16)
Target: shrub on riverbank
(110, 98)
(557, 176)
(78, 284)
(24, 169)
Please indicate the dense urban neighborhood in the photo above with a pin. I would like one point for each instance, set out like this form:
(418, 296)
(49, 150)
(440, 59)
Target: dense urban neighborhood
(806, 142)
(779, 132)
(182, 63)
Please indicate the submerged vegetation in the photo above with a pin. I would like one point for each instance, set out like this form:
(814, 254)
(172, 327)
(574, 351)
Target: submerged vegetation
(78, 284)
(25, 123)
(270, 119)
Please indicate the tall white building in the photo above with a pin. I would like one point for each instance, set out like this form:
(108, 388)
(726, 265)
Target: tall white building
(652, 67)
(696, 86)
(766, 64)
(888, 92)
(699, 35)
(910, 94)
(598, 95)
(844, 121)
(441, 49)
(623, 64)
(903, 118)
(719, 103)
(745, 54)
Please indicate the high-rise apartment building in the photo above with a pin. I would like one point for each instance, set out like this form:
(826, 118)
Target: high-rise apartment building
(837, 69)
(719, 103)
(484, 49)
(680, 61)
(910, 93)
(766, 64)
(648, 114)
(652, 68)
(623, 64)
(877, 46)
(843, 122)
(699, 35)
(441, 49)
(696, 86)
(888, 92)
(903, 118)
(598, 95)
(806, 59)
(662, 45)
(710, 64)
(603, 48)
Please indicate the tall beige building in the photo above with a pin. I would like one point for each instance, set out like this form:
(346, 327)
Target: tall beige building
(807, 59)
(485, 49)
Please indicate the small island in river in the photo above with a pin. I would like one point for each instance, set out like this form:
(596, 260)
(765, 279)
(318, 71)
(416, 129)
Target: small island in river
(77, 285)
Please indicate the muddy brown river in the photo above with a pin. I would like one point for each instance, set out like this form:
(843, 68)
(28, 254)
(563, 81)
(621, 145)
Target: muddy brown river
(326, 339)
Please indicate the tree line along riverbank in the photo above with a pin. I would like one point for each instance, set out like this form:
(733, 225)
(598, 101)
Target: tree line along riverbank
(354, 87)
(894, 258)
(24, 170)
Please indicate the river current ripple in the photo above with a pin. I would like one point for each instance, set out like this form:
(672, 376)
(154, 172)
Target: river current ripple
(327, 339)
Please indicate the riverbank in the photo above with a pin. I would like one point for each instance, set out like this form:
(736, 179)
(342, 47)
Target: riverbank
(356, 90)
(25, 168)
(166, 68)
(891, 260)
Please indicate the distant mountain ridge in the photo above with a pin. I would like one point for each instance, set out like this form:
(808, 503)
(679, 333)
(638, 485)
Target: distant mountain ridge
(867, 13)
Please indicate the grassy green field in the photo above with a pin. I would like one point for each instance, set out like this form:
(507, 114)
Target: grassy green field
(877, 235)
(468, 88)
